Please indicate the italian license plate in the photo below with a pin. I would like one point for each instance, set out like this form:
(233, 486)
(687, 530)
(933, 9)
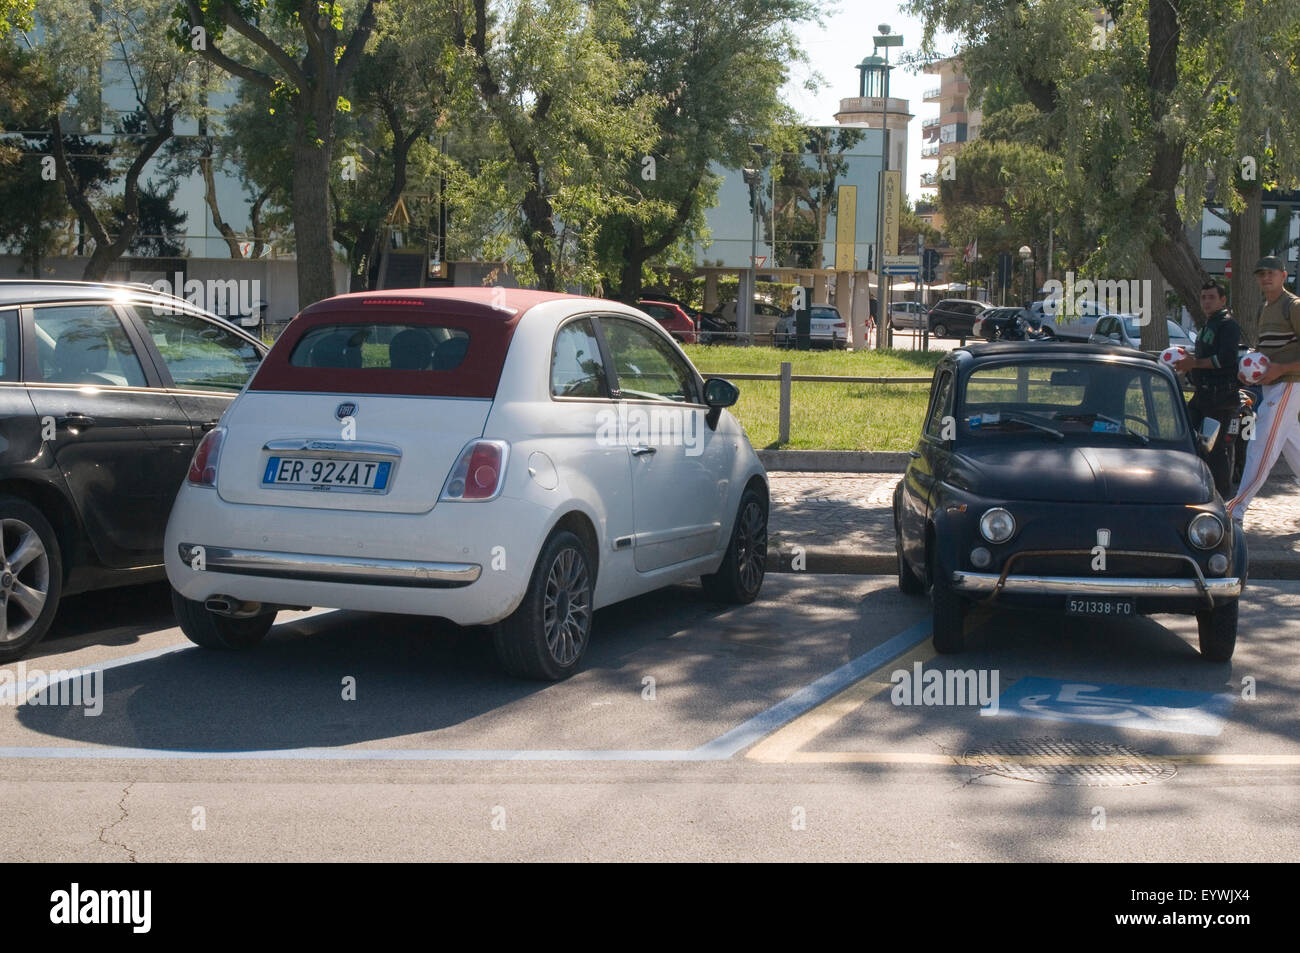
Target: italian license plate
(317, 473)
(1106, 608)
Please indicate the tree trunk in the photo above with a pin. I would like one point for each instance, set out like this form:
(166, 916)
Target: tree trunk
(312, 223)
(1155, 333)
(210, 197)
(1246, 298)
(629, 279)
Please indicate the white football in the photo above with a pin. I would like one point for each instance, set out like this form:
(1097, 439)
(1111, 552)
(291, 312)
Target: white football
(1253, 367)
(1172, 355)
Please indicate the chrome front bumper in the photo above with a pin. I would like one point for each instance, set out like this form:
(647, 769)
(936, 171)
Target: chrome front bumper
(1094, 585)
(339, 569)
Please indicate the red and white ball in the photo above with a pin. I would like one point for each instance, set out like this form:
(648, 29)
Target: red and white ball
(1252, 367)
(1172, 355)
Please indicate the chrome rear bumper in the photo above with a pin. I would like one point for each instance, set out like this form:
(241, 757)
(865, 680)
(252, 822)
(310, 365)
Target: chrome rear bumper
(342, 569)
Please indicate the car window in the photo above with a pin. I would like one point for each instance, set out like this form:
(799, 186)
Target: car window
(9, 345)
(85, 344)
(939, 408)
(646, 365)
(390, 347)
(577, 369)
(1106, 327)
(1076, 398)
(200, 353)
(656, 311)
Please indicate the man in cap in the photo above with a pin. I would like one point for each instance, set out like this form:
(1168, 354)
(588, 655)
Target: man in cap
(1277, 422)
(1212, 371)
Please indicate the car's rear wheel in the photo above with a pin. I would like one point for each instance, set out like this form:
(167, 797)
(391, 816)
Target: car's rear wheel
(31, 577)
(1218, 631)
(226, 633)
(547, 636)
(948, 610)
(740, 577)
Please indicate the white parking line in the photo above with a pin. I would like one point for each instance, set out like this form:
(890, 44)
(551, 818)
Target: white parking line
(8, 691)
(719, 749)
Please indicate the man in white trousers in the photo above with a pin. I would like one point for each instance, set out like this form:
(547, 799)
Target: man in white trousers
(1277, 421)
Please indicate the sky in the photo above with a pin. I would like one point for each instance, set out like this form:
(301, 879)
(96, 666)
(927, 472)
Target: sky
(836, 48)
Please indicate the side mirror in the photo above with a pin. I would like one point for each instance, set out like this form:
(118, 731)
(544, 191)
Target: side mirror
(718, 393)
(1209, 434)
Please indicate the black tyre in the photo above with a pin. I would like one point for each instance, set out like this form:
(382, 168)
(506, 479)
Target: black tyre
(740, 577)
(1218, 631)
(547, 636)
(909, 583)
(213, 631)
(31, 577)
(949, 615)
(940, 330)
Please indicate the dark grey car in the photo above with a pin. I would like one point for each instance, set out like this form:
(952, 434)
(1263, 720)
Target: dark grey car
(105, 391)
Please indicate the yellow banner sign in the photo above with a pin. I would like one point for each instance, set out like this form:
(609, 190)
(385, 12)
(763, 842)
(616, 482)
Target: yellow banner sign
(893, 192)
(846, 227)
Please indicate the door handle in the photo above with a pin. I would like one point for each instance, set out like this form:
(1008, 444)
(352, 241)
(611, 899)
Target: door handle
(75, 421)
(915, 455)
(207, 425)
(642, 451)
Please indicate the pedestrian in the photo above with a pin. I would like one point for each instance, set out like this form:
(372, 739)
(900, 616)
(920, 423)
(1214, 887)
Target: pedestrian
(1277, 422)
(1212, 371)
(871, 320)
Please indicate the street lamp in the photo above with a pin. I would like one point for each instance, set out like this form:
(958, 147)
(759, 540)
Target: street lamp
(753, 178)
(875, 81)
(1026, 255)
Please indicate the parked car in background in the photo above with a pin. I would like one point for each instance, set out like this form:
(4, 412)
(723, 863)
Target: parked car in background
(518, 463)
(673, 319)
(826, 329)
(713, 330)
(107, 389)
(1011, 324)
(1065, 477)
(955, 317)
(907, 314)
(766, 315)
(1125, 330)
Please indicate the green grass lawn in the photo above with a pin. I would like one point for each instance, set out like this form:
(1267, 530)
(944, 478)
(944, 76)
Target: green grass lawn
(827, 416)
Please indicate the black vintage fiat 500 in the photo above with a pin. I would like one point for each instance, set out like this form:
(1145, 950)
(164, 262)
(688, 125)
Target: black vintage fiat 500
(1065, 476)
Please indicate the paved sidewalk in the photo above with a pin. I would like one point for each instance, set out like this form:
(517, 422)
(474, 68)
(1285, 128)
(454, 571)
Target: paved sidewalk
(844, 523)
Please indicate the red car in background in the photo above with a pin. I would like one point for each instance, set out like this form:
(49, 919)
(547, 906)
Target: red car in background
(673, 319)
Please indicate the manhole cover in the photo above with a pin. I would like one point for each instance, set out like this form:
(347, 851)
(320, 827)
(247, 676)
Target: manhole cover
(1062, 761)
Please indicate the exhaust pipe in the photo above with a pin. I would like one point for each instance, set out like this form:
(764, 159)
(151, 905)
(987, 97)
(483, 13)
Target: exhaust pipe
(232, 607)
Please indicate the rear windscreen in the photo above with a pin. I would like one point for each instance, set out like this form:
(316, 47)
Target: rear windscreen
(390, 347)
(438, 350)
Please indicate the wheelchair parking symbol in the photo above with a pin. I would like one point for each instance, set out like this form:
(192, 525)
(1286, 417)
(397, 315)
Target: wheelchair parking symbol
(1120, 706)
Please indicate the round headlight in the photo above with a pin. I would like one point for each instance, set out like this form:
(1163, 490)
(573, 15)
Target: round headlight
(1205, 531)
(997, 525)
(1218, 564)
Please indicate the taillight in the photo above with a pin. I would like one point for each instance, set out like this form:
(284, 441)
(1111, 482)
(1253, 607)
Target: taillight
(203, 468)
(840, 324)
(479, 472)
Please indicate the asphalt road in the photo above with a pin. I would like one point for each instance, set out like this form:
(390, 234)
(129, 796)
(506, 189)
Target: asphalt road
(768, 732)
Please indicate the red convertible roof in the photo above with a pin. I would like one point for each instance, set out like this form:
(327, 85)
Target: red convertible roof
(487, 315)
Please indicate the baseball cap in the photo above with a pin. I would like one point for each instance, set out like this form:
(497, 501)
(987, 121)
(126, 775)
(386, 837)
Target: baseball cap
(1270, 263)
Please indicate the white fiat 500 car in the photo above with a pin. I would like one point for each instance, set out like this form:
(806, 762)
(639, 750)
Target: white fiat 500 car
(485, 455)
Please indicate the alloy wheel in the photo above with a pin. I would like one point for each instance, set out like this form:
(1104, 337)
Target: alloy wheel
(751, 546)
(566, 613)
(24, 579)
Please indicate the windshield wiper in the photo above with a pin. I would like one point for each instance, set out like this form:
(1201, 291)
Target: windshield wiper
(1030, 421)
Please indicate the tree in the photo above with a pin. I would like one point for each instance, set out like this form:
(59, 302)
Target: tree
(550, 87)
(715, 69)
(164, 83)
(306, 69)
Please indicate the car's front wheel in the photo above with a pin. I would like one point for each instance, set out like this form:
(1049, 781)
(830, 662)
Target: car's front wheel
(740, 576)
(31, 577)
(940, 330)
(546, 637)
(1218, 631)
(204, 627)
